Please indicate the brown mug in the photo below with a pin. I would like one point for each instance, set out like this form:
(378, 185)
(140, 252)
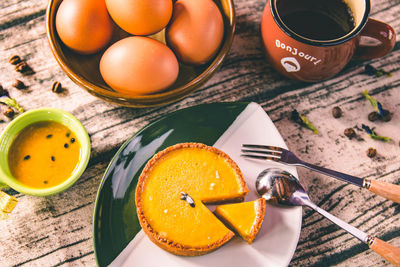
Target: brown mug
(312, 40)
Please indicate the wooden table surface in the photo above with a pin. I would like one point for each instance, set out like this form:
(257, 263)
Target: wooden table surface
(57, 230)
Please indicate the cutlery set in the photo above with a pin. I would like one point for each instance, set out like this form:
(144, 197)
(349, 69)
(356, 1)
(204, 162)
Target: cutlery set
(282, 188)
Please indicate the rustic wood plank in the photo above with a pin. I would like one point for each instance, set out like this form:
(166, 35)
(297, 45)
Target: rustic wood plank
(56, 230)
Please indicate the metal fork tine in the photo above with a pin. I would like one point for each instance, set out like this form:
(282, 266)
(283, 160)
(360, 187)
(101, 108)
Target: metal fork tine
(264, 152)
(275, 148)
(260, 157)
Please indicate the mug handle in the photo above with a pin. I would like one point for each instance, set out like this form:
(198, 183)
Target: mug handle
(7, 204)
(381, 32)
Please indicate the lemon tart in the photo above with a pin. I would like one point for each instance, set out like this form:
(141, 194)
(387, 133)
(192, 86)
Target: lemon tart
(172, 190)
(245, 218)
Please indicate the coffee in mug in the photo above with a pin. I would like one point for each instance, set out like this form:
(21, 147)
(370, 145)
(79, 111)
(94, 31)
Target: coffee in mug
(316, 19)
(312, 40)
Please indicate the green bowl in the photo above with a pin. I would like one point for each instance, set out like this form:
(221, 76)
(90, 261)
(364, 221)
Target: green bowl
(28, 118)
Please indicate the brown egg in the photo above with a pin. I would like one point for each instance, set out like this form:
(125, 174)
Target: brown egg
(196, 30)
(139, 65)
(84, 25)
(140, 17)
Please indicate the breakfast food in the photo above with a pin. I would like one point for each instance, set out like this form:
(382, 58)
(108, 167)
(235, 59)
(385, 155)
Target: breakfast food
(44, 154)
(134, 66)
(84, 26)
(128, 68)
(245, 218)
(171, 193)
(140, 17)
(196, 30)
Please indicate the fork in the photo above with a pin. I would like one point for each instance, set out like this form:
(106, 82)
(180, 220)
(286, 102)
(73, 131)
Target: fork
(278, 154)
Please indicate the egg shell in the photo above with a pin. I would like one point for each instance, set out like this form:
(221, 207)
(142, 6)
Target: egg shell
(84, 25)
(139, 65)
(196, 31)
(140, 17)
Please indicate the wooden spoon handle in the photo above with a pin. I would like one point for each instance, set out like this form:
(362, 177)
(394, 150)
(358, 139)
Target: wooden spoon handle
(386, 250)
(386, 190)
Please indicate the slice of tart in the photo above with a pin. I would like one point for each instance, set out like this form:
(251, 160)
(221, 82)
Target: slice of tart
(172, 189)
(244, 218)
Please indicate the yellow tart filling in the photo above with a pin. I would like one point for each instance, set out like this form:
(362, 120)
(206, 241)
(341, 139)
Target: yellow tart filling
(245, 218)
(173, 188)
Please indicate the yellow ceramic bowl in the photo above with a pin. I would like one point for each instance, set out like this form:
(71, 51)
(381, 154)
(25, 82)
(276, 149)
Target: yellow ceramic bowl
(84, 69)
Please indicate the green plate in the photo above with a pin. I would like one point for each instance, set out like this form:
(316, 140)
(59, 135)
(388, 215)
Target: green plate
(116, 230)
(115, 221)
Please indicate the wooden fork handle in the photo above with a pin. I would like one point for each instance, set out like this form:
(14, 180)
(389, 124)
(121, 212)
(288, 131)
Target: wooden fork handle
(386, 250)
(383, 189)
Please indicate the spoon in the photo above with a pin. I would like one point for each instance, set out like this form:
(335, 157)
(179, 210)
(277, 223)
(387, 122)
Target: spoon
(282, 188)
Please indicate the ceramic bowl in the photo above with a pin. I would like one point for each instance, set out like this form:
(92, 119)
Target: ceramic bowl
(43, 114)
(84, 69)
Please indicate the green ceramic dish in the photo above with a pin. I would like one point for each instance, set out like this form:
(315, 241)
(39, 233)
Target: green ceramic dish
(224, 125)
(32, 116)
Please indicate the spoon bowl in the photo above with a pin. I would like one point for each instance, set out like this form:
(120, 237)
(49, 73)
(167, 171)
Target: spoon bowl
(278, 186)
